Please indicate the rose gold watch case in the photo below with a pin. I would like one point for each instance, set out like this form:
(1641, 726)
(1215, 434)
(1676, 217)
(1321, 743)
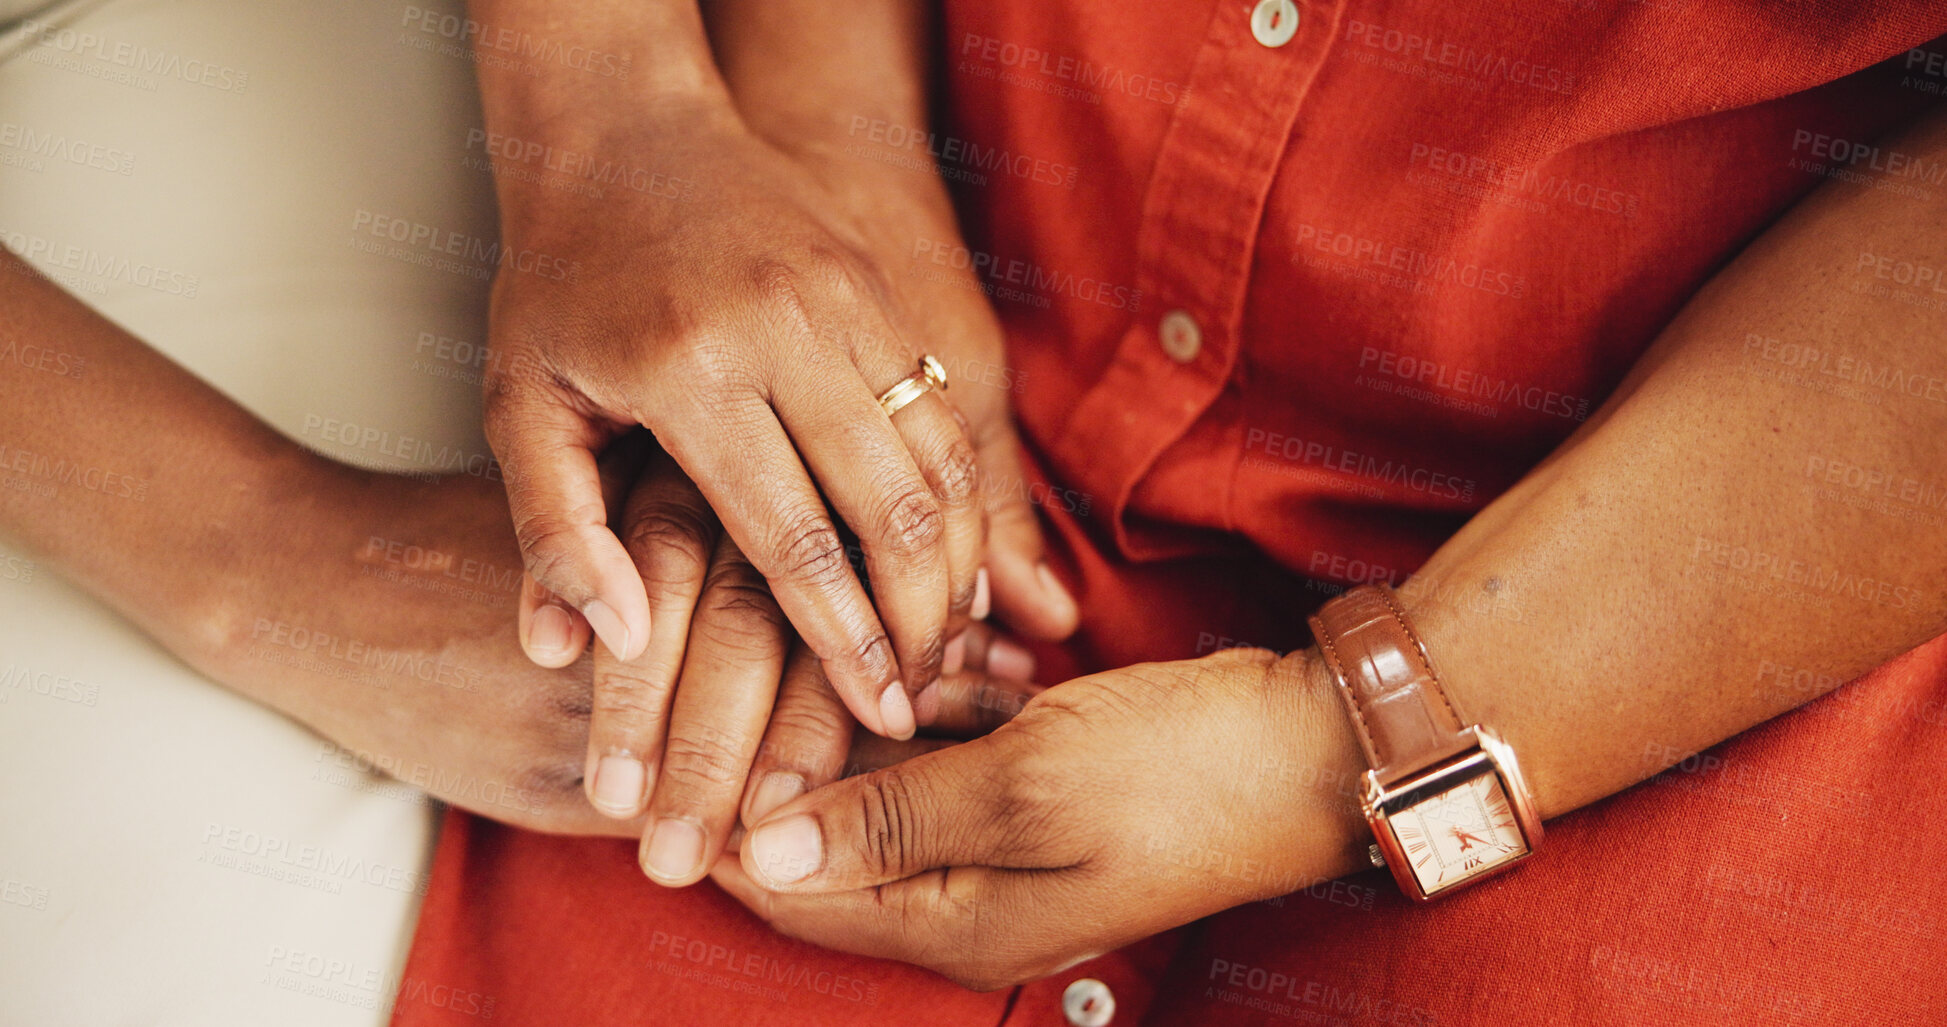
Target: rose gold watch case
(1487, 755)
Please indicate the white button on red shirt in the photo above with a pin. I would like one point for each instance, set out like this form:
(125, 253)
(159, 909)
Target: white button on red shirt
(1274, 22)
(1180, 336)
(1088, 1003)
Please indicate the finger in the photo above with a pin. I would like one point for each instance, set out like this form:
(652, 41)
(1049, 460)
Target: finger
(870, 752)
(935, 434)
(1026, 593)
(670, 534)
(546, 452)
(933, 919)
(787, 534)
(973, 703)
(873, 482)
(806, 742)
(552, 634)
(986, 680)
(737, 646)
(946, 808)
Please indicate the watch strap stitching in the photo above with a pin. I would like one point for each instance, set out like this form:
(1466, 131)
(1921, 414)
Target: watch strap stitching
(1439, 688)
(1344, 685)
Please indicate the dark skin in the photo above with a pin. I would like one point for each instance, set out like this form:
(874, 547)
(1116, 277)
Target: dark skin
(750, 317)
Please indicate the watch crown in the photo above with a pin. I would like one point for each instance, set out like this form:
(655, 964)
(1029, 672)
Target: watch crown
(1372, 853)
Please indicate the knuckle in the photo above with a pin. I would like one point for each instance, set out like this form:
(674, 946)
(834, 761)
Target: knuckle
(738, 609)
(546, 547)
(710, 358)
(845, 273)
(629, 696)
(680, 535)
(802, 733)
(915, 524)
(705, 763)
(888, 813)
(809, 551)
(956, 477)
(781, 288)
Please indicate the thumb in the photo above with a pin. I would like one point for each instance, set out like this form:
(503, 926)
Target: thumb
(1026, 593)
(952, 807)
(554, 489)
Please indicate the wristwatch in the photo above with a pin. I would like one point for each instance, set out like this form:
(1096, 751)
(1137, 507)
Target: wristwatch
(1445, 799)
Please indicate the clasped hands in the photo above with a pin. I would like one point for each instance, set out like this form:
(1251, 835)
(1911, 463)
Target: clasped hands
(735, 647)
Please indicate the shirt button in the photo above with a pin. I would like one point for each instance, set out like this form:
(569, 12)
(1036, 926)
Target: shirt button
(1180, 336)
(1088, 1003)
(1274, 22)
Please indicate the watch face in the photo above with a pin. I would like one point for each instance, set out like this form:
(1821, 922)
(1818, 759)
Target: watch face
(1459, 834)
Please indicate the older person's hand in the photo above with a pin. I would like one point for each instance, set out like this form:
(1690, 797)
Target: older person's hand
(1115, 806)
(754, 333)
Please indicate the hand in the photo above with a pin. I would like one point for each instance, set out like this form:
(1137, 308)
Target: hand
(897, 209)
(729, 748)
(753, 335)
(674, 730)
(1017, 854)
(378, 610)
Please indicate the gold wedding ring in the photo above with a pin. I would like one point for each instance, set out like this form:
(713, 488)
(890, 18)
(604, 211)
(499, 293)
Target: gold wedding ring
(931, 375)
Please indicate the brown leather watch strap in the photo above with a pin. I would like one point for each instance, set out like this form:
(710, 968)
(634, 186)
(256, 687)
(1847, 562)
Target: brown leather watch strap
(1402, 716)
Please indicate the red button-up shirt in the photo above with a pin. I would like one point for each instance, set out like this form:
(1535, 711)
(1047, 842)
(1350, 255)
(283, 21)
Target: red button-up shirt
(1280, 318)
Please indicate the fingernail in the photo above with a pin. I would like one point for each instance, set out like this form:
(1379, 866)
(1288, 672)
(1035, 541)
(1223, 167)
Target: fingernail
(955, 656)
(1010, 660)
(674, 851)
(896, 712)
(1053, 587)
(548, 631)
(775, 790)
(788, 850)
(618, 786)
(613, 632)
(983, 596)
(926, 705)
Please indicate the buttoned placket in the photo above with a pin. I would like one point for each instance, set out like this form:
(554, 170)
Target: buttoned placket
(1200, 219)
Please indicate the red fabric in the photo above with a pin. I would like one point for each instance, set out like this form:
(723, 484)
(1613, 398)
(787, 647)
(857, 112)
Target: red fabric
(1421, 241)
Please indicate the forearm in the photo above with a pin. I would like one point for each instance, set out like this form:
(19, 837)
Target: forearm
(1635, 597)
(799, 73)
(582, 81)
(135, 479)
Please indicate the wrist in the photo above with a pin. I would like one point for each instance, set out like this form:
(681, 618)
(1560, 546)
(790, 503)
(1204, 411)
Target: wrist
(1312, 777)
(286, 518)
(643, 157)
